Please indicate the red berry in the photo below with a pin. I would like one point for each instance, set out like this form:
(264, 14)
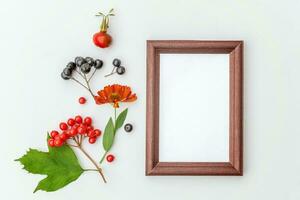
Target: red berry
(58, 142)
(82, 100)
(56, 137)
(76, 126)
(89, 128)
(90, 133)
(92, 140)
(63, 126)
(54, 133)
(110, 158)
(64, 136)
(73, 132)
(81, 129)
(97, 132)
(88, 121)
(102, 39)
(78, 119)
(71, 122)
(51, 142)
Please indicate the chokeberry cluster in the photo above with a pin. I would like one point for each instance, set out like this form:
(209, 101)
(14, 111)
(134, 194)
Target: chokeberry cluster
(117, 68)
(82, 67)
(76, 129)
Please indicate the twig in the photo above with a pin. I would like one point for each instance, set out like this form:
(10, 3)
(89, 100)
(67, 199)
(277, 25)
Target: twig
(72, 145)
(111, 73)
(74, 79)
(92, 75)
(90, 170)
(88, 86)
(93, 161)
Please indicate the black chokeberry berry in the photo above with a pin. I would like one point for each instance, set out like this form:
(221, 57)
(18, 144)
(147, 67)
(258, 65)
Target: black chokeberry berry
(98, 64)
(128, 127)
(90, 61)
(121, 70)
(67, 71)
(71, 65)
(79, 61)
(116, 62)
(85, 68)
(65, 77)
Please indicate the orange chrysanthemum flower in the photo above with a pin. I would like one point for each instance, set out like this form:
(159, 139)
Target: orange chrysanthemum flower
(114, 94)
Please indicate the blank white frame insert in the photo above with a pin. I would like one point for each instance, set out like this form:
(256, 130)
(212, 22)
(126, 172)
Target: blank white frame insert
(194, 108)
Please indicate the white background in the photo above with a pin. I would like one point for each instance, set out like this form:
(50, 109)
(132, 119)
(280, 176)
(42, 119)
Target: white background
(194, 108)
(39, 37)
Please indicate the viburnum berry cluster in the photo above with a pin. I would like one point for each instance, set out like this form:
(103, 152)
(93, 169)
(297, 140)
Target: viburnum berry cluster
(76, 129)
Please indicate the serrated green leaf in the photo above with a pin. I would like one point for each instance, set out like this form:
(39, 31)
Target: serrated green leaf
(121, 119)
(109, 135)
(59, 164)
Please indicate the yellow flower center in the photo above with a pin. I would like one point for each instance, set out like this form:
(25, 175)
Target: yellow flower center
(115, 97)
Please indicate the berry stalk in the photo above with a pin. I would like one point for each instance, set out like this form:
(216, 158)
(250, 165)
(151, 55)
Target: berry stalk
(92, 160)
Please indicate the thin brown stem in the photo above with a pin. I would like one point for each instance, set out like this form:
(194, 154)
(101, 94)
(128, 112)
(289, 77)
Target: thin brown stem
(93, 161)
(92, 75)
(88, 85)
(78, 72)
(75, 140)
(73, 145)
(86, 170)
(77, 81)
(111, 73)
(81, 139)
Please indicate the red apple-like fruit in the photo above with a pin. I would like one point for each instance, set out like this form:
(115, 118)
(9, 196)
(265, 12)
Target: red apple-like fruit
(102, 39)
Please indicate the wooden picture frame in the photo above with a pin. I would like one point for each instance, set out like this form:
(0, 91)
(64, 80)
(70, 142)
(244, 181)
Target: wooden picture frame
(235, 50)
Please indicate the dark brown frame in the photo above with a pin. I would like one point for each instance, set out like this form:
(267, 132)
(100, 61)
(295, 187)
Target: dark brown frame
(235, 164)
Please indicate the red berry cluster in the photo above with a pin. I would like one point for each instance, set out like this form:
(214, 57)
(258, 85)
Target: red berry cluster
(74, 129)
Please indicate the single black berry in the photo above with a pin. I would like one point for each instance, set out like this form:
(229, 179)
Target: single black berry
(121, 70)
(90, 61)
(67, 71)
(116, 62)
(98, 64)
(79, 61)
(71, 65)
(85, 68)
(128, 127)
(65, 77)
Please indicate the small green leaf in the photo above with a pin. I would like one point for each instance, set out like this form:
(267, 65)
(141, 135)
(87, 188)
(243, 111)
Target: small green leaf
(121, 118)
(60, 165)
(109, 135)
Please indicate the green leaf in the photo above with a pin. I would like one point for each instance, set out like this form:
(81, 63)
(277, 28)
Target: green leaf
(121, 118)
(109, 135)
(60, 165)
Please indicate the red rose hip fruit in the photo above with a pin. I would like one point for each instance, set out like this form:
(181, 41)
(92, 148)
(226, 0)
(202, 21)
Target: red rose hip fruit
(102, 39)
